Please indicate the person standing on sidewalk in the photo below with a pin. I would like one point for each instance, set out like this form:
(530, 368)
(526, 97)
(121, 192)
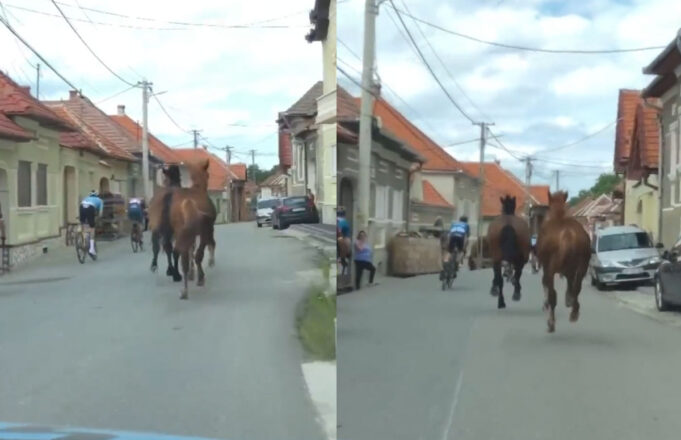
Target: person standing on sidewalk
(363, 260)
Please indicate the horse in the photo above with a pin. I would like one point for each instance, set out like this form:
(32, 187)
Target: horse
(159, 221)
(192, 215)
(508, 238)
(564, 248)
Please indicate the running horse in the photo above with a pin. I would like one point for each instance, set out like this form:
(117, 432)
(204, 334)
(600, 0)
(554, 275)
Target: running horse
(159, 223)
(508, 238)
(192, 216)
(564, 248)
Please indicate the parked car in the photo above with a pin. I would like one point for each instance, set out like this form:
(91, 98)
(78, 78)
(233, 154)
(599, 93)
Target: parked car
(668, 278)
(293, 210)
(264, 209)
(622, 254)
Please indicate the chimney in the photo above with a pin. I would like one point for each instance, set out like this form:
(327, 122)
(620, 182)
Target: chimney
(73, 94)
(121, 110)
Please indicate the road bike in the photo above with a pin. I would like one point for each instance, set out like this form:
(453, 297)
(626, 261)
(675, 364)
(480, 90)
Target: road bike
(82, 245)
(136, 237)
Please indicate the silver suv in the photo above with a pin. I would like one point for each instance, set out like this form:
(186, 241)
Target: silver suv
(622, 254)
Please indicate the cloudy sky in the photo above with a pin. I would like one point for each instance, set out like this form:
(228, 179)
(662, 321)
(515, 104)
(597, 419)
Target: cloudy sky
(213, 76)
(538, 101)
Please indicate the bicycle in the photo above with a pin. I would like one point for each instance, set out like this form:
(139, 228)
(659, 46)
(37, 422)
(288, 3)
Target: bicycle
(449, 271)
(82, 245)
(136, 237)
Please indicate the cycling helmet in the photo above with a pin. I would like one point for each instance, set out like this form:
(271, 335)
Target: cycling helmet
(94, 193)
(463, 219)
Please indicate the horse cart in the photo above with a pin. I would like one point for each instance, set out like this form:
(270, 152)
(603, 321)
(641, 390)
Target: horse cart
(110, 225)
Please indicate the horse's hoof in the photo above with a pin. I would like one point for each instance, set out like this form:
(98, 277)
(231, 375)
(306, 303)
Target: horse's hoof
(169, 272)
(177, 278)
(574, 315)
(211, 263)
(494, 291)
(516, 295)
(153, 268)
(184, 295)
(201, 282)
(501, 305)
(568, 301)
(551, 329)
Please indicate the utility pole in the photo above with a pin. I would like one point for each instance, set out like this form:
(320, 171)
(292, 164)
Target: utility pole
(557, 180)
(366, 114)
(146, 88)
(483, 141)
(253, 166)
(196, 138)
(228, 184)
(37, 81)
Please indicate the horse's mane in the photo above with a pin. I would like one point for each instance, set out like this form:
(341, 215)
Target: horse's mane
(508, 205)
(558, 205)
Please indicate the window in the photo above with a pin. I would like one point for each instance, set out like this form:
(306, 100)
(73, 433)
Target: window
(24, 183)
(398, 205)
(382, 202)
(41, 185)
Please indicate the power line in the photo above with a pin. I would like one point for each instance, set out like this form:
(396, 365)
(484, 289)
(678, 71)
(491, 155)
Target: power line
(352, 52)
(504, 147)
(202, 24)
(115, 95)
(47, 63)
(444, 66)
(89, 48)
(531, 49)
(430, 69)
(589, 136)
(168, 114)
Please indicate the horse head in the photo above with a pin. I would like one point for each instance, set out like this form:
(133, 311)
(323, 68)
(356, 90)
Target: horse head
(557, 204)
(198, 172)
(507, 205)
(172, 176)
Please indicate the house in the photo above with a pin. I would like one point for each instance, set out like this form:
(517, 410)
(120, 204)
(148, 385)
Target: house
(499, 183)
(391, 168)
(46, 165)
(637, 145)
(440, 187)
(323, 17)
(218, 174)
(598, 212)
(97, 124)
(274, 186)
(666, 87)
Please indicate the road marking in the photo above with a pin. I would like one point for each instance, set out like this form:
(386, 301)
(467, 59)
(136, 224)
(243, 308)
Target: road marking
(455, 401)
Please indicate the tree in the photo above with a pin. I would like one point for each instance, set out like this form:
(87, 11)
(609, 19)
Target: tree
(605, 184)
(260, 174)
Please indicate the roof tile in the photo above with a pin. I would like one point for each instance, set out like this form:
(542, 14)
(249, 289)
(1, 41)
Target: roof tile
(432, 197)
(10, 130)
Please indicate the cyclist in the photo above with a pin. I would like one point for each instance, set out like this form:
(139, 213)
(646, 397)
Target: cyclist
(533, 253)
(458, 237)
(136, 213)
(90, 208)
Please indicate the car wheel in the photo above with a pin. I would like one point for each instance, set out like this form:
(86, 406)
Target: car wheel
(660, 303)
(260, 225)
(599, 285)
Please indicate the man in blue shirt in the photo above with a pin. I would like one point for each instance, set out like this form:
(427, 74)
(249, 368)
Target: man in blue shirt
(90, 208)
(342, 223)
(458, 236)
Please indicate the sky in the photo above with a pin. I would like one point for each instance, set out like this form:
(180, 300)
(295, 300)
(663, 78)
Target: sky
(537, 101)
(228, 82)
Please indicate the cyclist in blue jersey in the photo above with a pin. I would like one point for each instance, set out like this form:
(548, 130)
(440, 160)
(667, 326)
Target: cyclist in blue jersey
(90, 208)
(458, 237)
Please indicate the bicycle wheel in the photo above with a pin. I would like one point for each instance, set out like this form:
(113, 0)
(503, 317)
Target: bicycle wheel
(81, 248)
(134, 240)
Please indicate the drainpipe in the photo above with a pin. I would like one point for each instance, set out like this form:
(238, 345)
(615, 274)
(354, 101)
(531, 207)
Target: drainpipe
(660, 164)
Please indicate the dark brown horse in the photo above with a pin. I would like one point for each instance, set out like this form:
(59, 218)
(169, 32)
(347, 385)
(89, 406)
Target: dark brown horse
(159, 221)
(192, 216)
(508, 238)
(564, 248)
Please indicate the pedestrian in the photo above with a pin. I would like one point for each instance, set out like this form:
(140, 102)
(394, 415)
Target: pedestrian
(311, 203)
(363, 260)
(344, 246)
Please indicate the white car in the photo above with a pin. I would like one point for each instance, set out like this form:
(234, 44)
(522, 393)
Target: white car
(264, 210)
(623, 254)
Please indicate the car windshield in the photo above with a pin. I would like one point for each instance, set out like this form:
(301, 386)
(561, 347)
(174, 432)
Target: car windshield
(629, 240)
(264, 204)
(295, 201)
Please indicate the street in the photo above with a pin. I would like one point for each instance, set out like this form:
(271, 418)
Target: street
(109, 345)
(418, 363)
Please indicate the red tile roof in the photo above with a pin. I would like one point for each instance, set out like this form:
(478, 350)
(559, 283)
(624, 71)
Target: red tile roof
(646, 141)
(217, 168)
(10, 130)
(16, 100)
(540, 193)
(437, 159)
(156, 147)
(432, 197)
(626, 114)
(498, 183)
(85, 136)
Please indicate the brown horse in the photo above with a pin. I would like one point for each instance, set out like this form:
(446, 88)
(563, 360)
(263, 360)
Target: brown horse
(564, 248)
(508, 238)
(192, 216)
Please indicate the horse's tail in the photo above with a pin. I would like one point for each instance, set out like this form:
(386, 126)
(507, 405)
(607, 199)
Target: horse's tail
(509, 243)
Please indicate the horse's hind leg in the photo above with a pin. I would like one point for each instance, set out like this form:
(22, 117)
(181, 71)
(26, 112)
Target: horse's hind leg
(155, 247)
(550, 299)
(574, 288)
(199, 260)
(498, 286)
(518, 271)
(176, 272)
(184, 293)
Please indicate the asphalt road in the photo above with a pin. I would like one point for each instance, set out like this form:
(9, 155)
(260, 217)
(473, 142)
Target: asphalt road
(416, 363)
(110, 345)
